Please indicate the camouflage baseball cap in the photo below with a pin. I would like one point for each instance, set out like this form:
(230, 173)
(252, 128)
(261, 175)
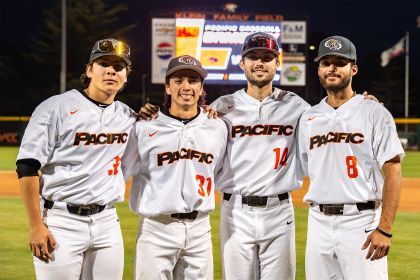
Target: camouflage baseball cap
(338, 46)
(110, 47)
(185, 62)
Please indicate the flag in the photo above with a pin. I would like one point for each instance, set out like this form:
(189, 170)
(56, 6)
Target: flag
(396, 50)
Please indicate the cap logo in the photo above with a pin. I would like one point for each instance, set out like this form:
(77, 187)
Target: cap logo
(333, 44)
(187, 60)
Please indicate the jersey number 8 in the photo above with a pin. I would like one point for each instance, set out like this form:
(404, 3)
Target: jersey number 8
(351, 163)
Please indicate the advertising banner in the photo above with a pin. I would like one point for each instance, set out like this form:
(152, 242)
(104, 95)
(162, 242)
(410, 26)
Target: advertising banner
(163, 47)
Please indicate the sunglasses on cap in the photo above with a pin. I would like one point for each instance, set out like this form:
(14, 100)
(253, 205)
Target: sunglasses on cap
(260, 42)
(113, 46)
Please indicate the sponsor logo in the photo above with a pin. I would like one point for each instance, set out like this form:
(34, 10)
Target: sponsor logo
(153, 134)
(84, 138)
(164, 50)
(261, 129)
(293, 73)
(369, 230)
(289, 222)
(230, 106)
(333, 44)
(74, 112)
(9, 137)
(336, 137)
(171, 157)
(311, 118)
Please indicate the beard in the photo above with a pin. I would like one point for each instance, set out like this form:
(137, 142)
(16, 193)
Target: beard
(259, 82)
(335, 87)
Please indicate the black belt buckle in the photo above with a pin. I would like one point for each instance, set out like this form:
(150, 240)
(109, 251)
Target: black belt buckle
(366, 205)
(85, 210)
(185, 216)
(332, 209)
(254, 200)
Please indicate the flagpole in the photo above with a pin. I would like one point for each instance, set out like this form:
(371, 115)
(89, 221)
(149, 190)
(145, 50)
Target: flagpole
(406, 73)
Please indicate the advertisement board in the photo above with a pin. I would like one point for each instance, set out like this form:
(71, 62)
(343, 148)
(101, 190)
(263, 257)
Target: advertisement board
(217, 44)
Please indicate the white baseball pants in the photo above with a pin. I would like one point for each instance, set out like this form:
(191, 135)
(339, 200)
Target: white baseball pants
(168, 248)
(333, 248)
(257, 242)
(88, 247)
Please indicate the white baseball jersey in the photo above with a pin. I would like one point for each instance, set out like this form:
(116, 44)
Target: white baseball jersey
(260, 157)
(79, 146)
(173, 164)
(345, 149)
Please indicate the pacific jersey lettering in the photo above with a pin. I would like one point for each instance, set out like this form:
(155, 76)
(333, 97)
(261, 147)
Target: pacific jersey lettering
(171, 157)
(336, 137)
(261, 129)
(84, 138)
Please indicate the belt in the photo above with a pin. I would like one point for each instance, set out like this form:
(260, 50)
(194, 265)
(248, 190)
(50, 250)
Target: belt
(185, 216)
(83, 210)
(338, 209)
(256, 200)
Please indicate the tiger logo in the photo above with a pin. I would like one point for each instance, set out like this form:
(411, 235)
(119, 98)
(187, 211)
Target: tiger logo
(333, 44)
(187, 60)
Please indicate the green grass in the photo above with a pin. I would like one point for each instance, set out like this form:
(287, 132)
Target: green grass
(16, 261)
(410, 165)
(8, 158)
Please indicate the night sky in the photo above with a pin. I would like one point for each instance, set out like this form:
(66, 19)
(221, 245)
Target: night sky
(372, 26)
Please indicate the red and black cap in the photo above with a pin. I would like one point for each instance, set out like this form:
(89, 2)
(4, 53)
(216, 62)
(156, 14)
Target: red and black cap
(260, 41)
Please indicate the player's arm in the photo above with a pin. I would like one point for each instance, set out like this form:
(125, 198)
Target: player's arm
(41, 241)
(379, 241)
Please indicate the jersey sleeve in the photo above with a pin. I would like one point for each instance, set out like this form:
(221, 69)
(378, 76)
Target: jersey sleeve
(41, 134)
(386, 143)
(224, 138)
(216, 104)
(131, 158)
(301, 149)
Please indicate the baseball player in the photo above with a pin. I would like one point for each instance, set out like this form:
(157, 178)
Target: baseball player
(173, 159)
(351, 152)
(76, 139)
(260, 169)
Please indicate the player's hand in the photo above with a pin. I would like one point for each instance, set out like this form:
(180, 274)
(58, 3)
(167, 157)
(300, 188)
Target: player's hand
(41, 242)
(148, 112)
(378, 244)
(371, 97)
(211, 113)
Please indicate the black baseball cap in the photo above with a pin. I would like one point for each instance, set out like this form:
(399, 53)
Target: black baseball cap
(336, 45)
(260, 41)
(185, 62)
(110, 47)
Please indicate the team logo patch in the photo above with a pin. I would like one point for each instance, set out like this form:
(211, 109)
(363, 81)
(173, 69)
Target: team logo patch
(333, 44)
(187, 60)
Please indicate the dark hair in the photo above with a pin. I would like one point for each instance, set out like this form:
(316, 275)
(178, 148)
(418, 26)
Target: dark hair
(85, 80)
(167, 98)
